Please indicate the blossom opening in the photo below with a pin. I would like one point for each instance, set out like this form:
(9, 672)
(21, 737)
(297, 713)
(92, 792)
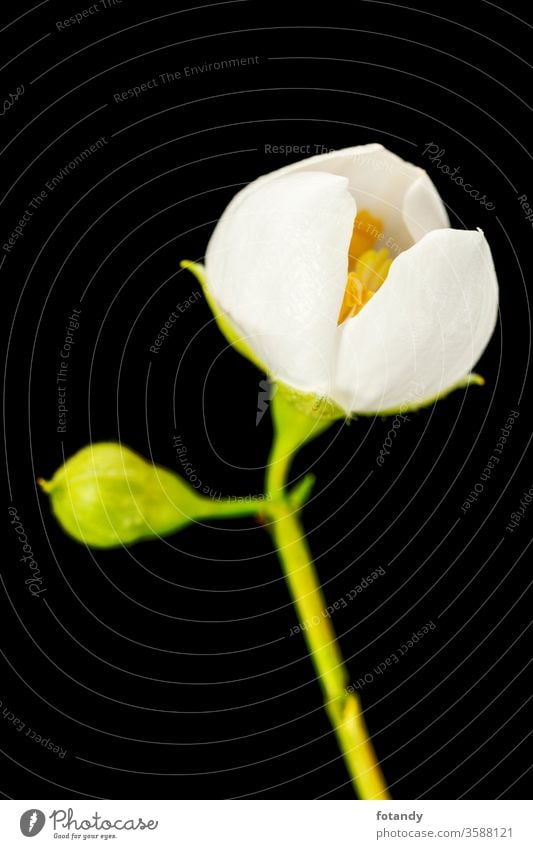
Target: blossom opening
(367, 268)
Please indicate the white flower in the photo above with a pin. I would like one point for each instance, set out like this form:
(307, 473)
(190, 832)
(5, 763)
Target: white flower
(342, 275)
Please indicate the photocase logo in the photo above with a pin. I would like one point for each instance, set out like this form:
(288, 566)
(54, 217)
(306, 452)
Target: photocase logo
(265, 394)
(32, 822)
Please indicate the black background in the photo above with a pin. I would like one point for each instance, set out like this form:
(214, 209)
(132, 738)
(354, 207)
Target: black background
(167, 670)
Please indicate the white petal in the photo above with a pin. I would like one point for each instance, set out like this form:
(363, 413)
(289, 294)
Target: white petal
(341, 162)
(399, 193)
(424, 329)
(379, 181)
(277, 265)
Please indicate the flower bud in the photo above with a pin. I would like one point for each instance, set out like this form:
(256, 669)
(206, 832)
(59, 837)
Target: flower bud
(107, 495)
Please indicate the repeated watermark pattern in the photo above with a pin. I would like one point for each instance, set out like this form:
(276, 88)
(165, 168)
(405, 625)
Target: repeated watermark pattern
(170, 77)
(392, 659)
(63, 369)
(414, 397)
(526, 207)
(392, 433)
(341, 602)
(22, 727)
(435, 153)
(490, 465)
(85, 14)
(518, 514)
(197, 483)
(50, 186)
(296, 149)
(180, 308)
(33, 577)
(11, 99)
(265, 393)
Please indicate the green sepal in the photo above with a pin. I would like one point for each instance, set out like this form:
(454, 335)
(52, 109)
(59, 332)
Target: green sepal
(471, 379)
(316, 407)
(300, 417)
(224, 323)
(297, 418)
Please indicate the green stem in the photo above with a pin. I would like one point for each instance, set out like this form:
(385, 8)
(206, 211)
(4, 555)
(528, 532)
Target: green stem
(231, 508)
(342, 706)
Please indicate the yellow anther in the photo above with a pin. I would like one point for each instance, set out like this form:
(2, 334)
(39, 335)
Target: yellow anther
(367, 268)
(363, 282)
(367, 229)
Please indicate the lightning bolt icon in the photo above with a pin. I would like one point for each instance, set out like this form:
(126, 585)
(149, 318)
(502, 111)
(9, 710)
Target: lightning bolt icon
(33, 820)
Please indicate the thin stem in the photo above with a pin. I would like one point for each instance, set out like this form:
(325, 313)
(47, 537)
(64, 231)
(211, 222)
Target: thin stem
(343, 707)
(278, 467)
(292, 429)
(232, 508)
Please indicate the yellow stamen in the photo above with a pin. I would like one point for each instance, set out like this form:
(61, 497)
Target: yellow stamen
(367, 229)
(356, 295)
(367, 268)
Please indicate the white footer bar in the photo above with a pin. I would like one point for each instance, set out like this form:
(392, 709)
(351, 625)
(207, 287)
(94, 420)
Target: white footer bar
(267, 824)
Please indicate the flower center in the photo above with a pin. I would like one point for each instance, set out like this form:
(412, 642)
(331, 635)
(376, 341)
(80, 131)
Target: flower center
(367, 268)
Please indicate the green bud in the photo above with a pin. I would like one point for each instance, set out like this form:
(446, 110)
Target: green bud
(107, 495)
